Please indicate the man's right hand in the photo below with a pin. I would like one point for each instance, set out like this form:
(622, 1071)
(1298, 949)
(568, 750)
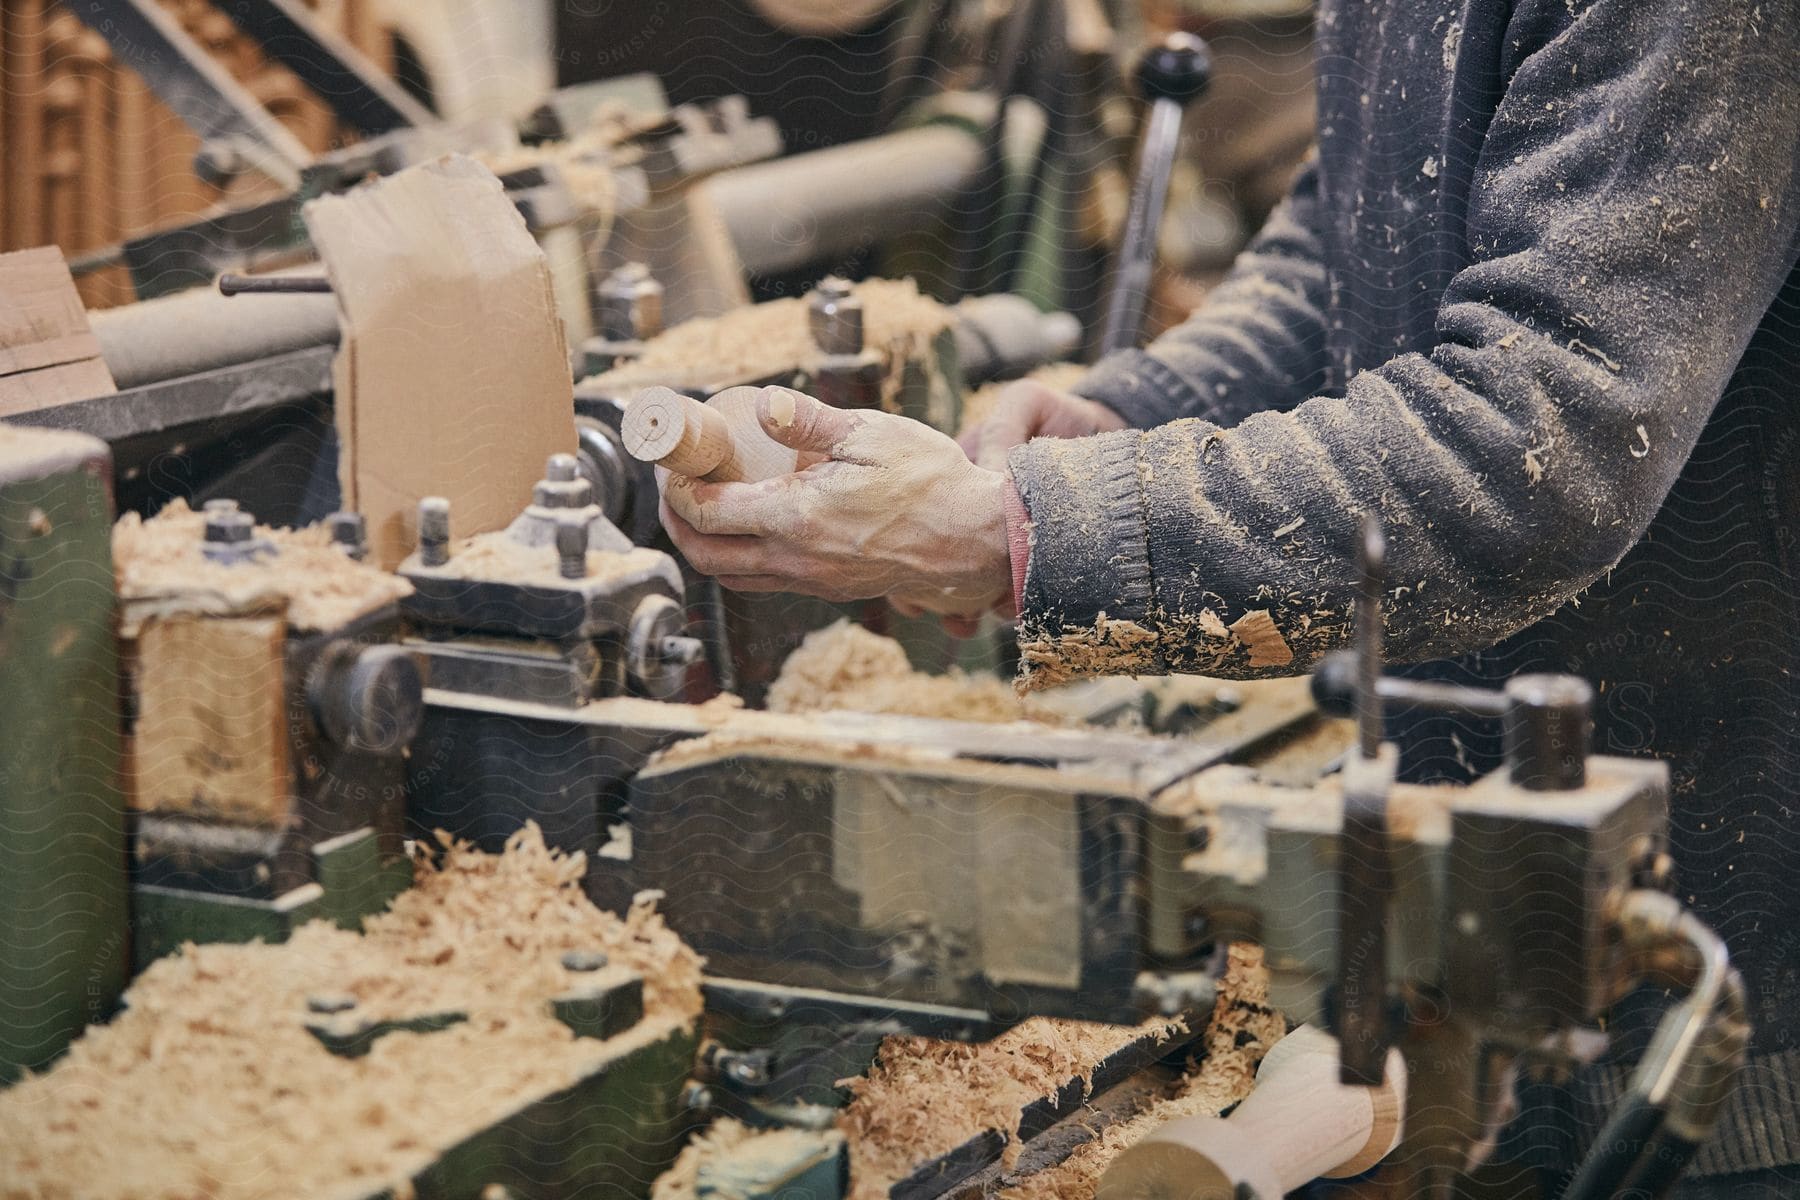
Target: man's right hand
(1025, 410)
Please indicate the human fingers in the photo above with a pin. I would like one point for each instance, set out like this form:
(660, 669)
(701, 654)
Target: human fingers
(1018, 415)
(800, 422)
(769, 507)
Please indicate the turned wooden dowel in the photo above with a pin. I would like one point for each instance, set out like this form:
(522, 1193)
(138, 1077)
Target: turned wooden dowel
(721, 441)
(1298, 1124)
(664, 427)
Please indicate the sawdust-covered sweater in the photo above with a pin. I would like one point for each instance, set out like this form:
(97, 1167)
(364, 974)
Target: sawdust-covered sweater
(1535, 304)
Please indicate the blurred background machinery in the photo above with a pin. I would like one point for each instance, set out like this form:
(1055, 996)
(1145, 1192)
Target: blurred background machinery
(97, 157)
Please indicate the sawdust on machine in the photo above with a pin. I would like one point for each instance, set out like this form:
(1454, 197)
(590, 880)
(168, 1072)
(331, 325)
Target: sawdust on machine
(209, 1084)
(161, 569)
(847, 667)
(584, 162)
(1243, 1029)
(498, 558)
(923, 1098)
(682, 1180)
(763, 341)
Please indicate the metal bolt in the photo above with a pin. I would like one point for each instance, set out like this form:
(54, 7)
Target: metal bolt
(746, 1068)
(563, 485)
(571, 547)
(230, 538)
(371, 698)
(1547, 728)
(835, 317)
(221, 506)
(229, 527)
(630, 304)
(350, 532)
(584, 960)
(683, 651)
(326, 1005)
(434, 531)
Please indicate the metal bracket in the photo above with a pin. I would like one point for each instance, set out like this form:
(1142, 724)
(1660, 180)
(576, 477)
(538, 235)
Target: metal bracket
(338, 72)
(228, 119)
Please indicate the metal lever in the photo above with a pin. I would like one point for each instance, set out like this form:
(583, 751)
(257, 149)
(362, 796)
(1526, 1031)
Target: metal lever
(1169, 76)
(1687, 1074)
(1361, 1016)
(1548, 719)
(241, 285)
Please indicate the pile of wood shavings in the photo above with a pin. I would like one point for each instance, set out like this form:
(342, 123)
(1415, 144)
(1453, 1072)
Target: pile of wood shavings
(1243, 1029)
(681, 1181)
(208, 1084)
(764, 340)
(495, 556)
(923, 1098)
(739, 1157)
(161, 570)
(845, 666)
(584, 164)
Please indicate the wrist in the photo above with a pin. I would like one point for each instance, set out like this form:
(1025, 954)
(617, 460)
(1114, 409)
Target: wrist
(1018, 539)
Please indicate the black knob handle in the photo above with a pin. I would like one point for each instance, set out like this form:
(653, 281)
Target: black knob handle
(1334, 684)
(1179, 69)
(368, 698)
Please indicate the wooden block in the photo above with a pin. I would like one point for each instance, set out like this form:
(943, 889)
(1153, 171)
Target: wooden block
(210, 736)
(453, 376)
(48, 355)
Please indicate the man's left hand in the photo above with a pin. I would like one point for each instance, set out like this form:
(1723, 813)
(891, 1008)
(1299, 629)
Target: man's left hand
(887, 507)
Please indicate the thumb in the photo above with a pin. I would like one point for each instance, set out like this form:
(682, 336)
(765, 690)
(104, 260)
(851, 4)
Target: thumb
(802, 423)
(1015, 420)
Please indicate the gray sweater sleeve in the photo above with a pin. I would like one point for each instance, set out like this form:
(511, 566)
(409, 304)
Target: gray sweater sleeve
(1632, 214)
(1257, 343)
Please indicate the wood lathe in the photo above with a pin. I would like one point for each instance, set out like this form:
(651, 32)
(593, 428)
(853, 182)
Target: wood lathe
(342, 623)
(850, 876)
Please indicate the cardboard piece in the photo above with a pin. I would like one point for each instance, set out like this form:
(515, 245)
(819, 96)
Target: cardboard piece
(452, 375)
(48, 355)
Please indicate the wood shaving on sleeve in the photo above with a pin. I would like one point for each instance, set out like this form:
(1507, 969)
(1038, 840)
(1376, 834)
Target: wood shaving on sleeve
(161, 570)
(209, 1085)
(1191, 643)
(1109, 647)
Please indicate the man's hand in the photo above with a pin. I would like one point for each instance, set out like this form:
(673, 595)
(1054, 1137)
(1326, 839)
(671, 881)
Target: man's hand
(887, 507)
(1026, 410)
